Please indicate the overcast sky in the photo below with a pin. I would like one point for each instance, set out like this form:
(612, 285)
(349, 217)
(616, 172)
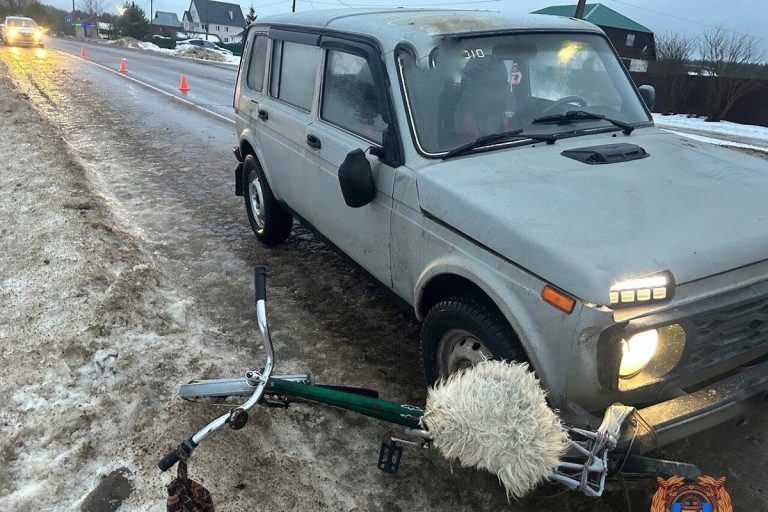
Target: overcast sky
(688, 16)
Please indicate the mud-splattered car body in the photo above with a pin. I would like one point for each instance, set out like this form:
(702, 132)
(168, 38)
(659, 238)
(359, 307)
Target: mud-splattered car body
(593, 242)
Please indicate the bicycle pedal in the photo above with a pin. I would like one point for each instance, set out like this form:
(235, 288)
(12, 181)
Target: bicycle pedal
(389, 456)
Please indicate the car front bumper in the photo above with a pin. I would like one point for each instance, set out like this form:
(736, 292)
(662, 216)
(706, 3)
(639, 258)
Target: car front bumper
(744, 391)
(23, 40)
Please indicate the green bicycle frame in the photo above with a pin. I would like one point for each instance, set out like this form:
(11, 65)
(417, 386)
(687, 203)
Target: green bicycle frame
(385, 410)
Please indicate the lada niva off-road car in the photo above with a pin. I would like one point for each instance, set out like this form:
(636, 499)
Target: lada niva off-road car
(503, 175)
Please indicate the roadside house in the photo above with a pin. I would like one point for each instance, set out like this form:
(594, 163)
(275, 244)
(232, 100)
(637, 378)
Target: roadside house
(634, 43)
(220, 18)
(165, 24)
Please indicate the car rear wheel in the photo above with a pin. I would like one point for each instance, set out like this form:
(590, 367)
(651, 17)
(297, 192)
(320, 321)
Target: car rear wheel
(269, 220)
(460, 332)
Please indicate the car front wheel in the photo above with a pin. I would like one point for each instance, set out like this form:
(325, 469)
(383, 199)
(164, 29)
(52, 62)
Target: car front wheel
(269, 220)
(460, 332)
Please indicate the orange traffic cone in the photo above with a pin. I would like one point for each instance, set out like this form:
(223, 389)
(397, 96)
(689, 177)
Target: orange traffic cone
(123, 68)
(83, 52)
(183, 87)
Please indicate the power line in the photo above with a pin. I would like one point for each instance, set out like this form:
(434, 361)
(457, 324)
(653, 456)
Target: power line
(271, 4)
(469, 2)
(685, 19)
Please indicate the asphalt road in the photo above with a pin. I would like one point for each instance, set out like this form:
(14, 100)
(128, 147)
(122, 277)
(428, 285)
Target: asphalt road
(211, 84)
(165, 168)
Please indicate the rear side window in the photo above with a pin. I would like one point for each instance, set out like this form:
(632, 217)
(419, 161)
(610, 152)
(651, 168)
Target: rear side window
(349, 96)
(257, 64)
(293, 73)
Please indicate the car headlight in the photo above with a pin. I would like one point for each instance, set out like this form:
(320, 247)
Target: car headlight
(38, 34)
(12, 32)
(641, 291)
(637, 352)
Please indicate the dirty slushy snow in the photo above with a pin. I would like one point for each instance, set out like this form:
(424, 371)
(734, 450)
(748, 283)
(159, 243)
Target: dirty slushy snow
(81, 307)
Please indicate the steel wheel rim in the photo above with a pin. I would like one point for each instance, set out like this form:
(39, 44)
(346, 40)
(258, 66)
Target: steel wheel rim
(457, 350)
(257, 199)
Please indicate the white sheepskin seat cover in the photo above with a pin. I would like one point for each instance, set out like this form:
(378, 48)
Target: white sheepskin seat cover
(494, 416)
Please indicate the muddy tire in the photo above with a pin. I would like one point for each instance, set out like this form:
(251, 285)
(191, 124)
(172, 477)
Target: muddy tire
(269, 220)
(462, 331)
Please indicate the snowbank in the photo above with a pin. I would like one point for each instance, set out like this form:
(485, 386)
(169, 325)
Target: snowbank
(186, 52)
(192, 52)
(723, 127)
(719, 142)
(127, 42)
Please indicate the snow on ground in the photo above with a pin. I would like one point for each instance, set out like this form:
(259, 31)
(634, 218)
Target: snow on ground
(683, 121)
(81, 307)
(187, 52)
(719, 142)
(193, 52)
(126, 42)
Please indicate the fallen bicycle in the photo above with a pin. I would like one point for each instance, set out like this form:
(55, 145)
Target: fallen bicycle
(522, 439)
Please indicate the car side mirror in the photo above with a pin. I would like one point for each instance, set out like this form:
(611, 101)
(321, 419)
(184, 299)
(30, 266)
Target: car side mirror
(389, 152)
(356, 179)
(648, 93)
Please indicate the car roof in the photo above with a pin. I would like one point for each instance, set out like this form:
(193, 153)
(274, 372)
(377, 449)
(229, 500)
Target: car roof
(18, 18)
(390, 26)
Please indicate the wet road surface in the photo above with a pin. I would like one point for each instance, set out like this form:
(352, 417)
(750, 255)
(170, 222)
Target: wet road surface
(211, 84)
(166, 170)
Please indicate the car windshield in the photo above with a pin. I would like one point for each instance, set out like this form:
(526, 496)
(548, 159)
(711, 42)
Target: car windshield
(20, 22)
(473, 87)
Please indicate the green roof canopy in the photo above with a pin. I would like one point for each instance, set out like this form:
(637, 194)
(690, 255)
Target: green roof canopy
(598, 14)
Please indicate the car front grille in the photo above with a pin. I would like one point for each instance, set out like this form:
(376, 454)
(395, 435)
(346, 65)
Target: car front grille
(23, 37)
(716, 336)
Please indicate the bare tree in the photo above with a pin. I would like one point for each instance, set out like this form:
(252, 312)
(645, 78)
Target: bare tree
(673, 48)
(92, 7)
(673, 54)
(15, 6)
(730, 57)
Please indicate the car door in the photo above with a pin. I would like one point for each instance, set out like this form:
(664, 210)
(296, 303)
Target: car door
(353, 112)
(283, 115)
(249, 88)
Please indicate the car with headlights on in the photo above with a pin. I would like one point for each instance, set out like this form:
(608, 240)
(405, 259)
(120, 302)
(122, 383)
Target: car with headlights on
(21, 31)
(503, 176)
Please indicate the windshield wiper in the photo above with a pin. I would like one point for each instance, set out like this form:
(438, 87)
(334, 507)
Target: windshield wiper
(498, 137)
(578, 115)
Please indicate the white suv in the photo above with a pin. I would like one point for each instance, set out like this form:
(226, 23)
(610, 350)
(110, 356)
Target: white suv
(503, 175)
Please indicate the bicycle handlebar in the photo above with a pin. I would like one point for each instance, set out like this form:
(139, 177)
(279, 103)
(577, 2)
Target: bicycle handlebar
(185, 447)
(173, 456)
(260, 282)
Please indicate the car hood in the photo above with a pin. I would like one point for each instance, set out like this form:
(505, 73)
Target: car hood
(690, 207)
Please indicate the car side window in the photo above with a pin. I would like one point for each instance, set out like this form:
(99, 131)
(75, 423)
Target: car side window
(349, 96)
(293, 73)
(257, 63)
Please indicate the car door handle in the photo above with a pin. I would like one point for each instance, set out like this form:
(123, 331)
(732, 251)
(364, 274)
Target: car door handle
(313, 141)
(263, 114)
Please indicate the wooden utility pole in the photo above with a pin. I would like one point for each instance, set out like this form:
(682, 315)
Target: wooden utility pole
(293, 6)
(580, 9)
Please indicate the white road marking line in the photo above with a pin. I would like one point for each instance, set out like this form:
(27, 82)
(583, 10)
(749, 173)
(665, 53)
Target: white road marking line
(148, 86)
